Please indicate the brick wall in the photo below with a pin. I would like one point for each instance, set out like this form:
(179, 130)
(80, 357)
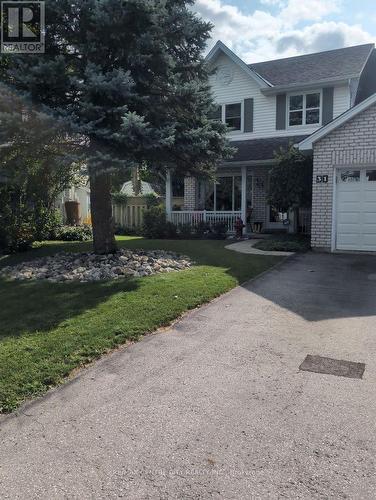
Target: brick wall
(260, 180)
(352, 144)
(190, 193)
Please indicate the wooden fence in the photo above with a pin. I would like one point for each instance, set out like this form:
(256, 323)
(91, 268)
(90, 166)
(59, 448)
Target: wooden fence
(128, 215)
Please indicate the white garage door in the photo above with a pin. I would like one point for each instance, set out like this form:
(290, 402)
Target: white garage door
(356, 209)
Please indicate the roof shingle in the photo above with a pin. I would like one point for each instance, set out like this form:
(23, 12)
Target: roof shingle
(262, 149)
(331, 64)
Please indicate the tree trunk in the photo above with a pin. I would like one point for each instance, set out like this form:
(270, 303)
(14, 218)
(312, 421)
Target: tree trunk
(101, 213)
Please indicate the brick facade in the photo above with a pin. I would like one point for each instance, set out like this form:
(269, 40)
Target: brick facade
(190, 193)
(260, 184)
(352, 144)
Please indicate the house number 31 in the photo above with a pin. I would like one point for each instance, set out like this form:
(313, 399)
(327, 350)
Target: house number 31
(322, 178)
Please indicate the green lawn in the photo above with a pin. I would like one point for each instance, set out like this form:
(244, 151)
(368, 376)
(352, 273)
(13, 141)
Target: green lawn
(48, 329)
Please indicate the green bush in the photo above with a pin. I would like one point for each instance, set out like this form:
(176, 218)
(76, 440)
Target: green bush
(151, 200)
(82, 232)
(17, 236)
(154, 222)
(218, 231)
(47, 224)
(121, 198)
(202, 229)
(185, 231)
(170, 230)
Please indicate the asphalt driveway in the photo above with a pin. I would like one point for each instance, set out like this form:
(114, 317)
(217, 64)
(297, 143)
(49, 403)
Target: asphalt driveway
(216, 406)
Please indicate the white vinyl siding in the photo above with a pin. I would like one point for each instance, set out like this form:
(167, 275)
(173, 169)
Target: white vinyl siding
(242, 86)
(341, 100)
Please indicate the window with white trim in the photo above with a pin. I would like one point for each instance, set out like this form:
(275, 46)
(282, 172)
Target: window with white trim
(230, 114)
(304, 109)
(233, 116)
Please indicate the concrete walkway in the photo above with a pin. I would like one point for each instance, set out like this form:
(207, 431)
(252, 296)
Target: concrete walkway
(247, 246)
(216, 407)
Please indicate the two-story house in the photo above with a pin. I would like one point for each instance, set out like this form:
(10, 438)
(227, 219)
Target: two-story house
(269, 105)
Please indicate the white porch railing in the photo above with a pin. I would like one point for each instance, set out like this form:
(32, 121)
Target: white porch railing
(194, 217)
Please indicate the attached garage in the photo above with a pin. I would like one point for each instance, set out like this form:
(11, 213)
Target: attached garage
(356, 209)
(344, 181)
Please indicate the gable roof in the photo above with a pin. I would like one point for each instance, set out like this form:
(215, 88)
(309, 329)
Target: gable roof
(221, 47)
(145, 189)
(307, 144)
(338, 64)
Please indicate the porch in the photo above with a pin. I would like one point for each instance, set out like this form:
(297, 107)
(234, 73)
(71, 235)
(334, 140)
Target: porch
(237, 192)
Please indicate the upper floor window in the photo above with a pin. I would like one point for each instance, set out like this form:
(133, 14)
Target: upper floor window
(233, 116)
(217, 114)
(304, 109)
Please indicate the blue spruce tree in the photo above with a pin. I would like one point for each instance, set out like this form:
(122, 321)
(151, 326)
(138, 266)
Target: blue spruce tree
(128, 77)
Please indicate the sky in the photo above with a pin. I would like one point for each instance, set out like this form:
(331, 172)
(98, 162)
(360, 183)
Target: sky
(260, 30)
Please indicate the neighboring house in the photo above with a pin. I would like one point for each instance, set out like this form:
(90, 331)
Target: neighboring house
(129, 213)
(76, 193)
(344, 180)
(268, 106)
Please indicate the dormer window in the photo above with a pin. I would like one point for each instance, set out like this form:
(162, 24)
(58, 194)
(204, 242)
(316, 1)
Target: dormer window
(233, 116)
(304, 109)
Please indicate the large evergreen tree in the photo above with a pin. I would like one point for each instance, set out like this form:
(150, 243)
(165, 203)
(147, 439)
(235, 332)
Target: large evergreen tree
(129, 77)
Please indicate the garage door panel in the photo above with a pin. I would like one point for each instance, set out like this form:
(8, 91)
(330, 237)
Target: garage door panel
(356, 210)
(350, 197)
(349, 218)
(369, 218)
(369, 241)
(350, 241)
(349, 229)
(370, 197)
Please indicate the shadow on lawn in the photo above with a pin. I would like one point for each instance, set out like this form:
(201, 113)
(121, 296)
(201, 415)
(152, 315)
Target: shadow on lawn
(31, 306)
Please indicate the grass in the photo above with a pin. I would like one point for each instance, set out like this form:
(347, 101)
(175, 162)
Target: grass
(49, 329)
(284, 243)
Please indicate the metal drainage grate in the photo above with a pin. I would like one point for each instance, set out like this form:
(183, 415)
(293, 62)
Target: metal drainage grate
(339, 367)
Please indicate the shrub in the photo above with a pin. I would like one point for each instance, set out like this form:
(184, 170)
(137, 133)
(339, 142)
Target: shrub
(127, 231)
(154, 222)
(82, 232)
(185, 231)
(151, 200)
(218, 231)
(47, 224)
(170, 230)
(121, 198)
(202, 229)
(17, 236)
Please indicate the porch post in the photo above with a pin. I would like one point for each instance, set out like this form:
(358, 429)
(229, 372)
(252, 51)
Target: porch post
(244, 196)
(168, 194)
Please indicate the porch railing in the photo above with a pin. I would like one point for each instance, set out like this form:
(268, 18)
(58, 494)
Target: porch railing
(195, 217)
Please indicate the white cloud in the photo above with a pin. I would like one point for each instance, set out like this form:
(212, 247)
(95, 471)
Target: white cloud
(322, 36)
(279, 3)
(262, 35)
(296, 11)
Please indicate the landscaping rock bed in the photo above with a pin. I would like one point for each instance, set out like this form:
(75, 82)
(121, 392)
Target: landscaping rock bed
(90, 267)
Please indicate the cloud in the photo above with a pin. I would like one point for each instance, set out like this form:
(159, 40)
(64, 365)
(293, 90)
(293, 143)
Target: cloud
(263, 35)
(279, 3)
(296, 11)
(323, 36)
